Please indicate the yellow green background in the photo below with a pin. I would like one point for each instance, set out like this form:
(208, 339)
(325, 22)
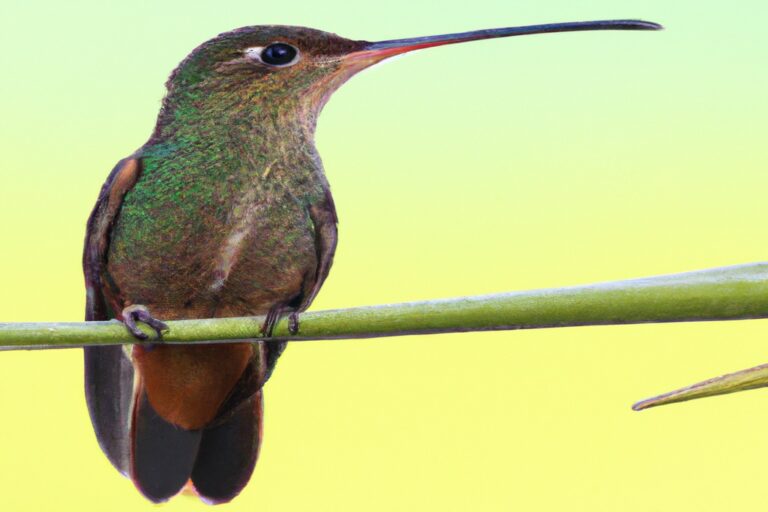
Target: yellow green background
(499, 165)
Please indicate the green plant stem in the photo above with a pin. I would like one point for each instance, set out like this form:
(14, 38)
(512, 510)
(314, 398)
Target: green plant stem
(729, 293)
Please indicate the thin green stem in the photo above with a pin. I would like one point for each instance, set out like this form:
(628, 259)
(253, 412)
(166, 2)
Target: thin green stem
(729, 293)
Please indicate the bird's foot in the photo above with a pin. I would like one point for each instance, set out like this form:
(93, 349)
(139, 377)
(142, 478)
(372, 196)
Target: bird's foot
(274, 315)
(138, 313)
(293, 322)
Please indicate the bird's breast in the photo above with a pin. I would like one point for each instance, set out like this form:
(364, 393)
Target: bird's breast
(238, 252)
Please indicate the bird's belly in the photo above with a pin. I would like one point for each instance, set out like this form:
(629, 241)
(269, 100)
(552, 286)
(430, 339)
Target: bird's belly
(241, 265)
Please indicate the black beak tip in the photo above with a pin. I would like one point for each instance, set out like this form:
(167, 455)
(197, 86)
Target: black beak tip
(649, 25)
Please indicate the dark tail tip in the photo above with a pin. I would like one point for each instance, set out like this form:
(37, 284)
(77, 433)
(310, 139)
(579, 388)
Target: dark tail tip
(162, 455)
(228, 453)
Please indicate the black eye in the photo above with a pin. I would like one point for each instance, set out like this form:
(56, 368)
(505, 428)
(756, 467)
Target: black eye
(278, 54)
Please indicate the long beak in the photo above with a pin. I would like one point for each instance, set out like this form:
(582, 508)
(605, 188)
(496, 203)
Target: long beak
(751, 378)
(383, 49)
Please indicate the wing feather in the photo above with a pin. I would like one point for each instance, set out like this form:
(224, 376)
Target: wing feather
(108, 371)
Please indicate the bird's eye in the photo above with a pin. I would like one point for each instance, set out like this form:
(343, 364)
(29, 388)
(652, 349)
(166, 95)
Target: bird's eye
(279, 54)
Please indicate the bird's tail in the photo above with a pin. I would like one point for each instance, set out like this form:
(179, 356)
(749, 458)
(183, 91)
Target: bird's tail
(162, 458)
(228, 453)
(217, 460)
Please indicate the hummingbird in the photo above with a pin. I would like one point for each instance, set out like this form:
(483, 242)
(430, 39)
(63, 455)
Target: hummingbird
(225, 211)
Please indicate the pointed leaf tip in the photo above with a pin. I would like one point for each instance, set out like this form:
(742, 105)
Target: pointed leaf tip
(743, 380)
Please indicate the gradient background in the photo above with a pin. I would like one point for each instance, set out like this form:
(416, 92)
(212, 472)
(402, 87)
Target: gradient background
(500, 165)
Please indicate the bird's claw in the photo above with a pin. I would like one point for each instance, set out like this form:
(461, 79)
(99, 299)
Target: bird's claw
(273, 316)
(293, 322)
(138, 313)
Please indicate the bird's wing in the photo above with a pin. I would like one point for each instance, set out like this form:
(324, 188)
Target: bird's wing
(119, 182)
(159, 457)
(325, 221)
(108, 372)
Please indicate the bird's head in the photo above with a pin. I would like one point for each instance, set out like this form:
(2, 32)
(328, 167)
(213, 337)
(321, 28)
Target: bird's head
(266, 65)
(284, 68)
